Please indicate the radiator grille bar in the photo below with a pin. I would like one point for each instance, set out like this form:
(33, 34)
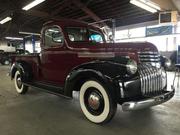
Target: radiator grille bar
(151, 78)
(152, 58)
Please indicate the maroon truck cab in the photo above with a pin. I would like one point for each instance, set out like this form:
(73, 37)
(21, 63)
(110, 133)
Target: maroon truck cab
(76, 57)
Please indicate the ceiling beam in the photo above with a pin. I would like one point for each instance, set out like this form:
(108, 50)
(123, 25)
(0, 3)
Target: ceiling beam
(64, 4)
(83, 17)
(37, 13)
(13, 30)
(89, 12)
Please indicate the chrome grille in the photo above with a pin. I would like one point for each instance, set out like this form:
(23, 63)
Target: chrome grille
(152, 58)
(153, 80)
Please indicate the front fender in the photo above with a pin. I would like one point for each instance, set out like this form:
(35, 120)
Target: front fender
(77, 77)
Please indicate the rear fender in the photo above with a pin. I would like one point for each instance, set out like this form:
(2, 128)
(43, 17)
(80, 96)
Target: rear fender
(24, 69)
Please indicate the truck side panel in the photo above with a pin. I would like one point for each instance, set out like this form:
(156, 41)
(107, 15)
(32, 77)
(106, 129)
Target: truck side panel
(33, 61)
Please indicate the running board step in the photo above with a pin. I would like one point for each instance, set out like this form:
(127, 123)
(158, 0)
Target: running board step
(52, 89)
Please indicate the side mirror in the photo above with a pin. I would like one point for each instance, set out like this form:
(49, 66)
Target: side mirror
(111, 38)
(165, 62)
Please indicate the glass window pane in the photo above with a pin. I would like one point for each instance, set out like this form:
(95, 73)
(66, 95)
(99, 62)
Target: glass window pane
(53, 36)
(77, 34)
(95, 36)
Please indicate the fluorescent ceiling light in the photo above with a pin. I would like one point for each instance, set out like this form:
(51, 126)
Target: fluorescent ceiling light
(147, 5)
(5, 20)
(151, 4)
(29, 33)
(13, 38)
(32, 4)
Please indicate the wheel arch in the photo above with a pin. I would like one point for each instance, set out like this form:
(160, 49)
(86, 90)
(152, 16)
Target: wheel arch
(76, 78)
(24, 68)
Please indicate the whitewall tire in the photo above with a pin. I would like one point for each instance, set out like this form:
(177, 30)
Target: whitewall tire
(20, 87)
(96, 102)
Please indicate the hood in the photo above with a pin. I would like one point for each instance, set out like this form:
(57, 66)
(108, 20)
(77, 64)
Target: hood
(116, 47)
(99, 50)
(130, 47)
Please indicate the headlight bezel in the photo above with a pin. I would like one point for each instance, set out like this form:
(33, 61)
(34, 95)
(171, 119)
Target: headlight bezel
(131, 66)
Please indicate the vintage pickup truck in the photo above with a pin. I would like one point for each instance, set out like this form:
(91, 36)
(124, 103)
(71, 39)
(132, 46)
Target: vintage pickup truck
(76, 57)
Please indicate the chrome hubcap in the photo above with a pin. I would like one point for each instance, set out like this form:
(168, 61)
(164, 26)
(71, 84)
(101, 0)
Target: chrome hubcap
(19, 82)
(94, 101)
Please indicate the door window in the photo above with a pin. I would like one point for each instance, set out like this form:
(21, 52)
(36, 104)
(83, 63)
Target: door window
(53, 36)
(95, 36)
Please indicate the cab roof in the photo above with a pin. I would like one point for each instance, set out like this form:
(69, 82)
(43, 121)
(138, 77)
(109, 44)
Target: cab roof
(66, 22)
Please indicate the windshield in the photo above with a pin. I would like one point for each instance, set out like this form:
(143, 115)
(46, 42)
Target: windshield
(80, 34)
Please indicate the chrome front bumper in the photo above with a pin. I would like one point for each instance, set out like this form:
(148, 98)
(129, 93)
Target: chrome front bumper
(136, 105)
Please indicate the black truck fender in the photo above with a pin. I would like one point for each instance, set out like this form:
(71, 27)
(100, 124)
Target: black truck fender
(77, 77)
(24, 69)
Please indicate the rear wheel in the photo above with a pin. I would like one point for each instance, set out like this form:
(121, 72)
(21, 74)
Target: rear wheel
(20, 87)
(96, 102)
(6, 62)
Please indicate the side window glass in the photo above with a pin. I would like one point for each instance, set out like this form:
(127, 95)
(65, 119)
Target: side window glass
(53, 36)
(95, 36)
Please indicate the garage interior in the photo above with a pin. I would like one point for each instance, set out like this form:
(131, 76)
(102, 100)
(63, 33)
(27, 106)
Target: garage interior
(39, 113)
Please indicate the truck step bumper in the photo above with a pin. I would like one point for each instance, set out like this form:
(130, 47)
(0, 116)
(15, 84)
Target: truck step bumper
(136, 105)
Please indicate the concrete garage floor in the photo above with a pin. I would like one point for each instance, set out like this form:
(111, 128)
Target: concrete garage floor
(39, 113)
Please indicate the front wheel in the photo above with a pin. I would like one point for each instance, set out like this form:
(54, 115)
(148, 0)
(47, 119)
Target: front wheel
(20, 87)
(96, 102)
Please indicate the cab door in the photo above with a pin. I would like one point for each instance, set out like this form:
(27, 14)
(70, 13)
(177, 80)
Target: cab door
(52, 56)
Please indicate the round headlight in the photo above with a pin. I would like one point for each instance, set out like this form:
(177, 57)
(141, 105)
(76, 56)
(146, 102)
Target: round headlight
(131, 67)
(168, 63)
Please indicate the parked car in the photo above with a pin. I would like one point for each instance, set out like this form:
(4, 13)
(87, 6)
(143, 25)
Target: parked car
(5, 57)
(22, 51)
(75, 57)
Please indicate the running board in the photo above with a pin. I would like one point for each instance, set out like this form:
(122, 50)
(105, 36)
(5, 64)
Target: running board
(52, 89)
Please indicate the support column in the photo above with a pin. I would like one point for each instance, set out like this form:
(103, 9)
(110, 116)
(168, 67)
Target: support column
(113, 29)
(24, 44)
(167, 44)
(175, 39)
(33, 43)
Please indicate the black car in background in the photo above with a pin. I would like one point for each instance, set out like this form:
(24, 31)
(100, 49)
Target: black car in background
(5, 57)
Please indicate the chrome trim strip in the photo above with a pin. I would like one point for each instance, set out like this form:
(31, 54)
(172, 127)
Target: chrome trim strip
(148, 52)
(121, 89)
(96, 55)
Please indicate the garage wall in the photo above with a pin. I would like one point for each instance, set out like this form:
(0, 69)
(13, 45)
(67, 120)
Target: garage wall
(3, 43)
(135, 33)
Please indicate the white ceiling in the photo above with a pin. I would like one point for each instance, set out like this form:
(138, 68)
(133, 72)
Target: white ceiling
(166, 4)
(177, 4)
